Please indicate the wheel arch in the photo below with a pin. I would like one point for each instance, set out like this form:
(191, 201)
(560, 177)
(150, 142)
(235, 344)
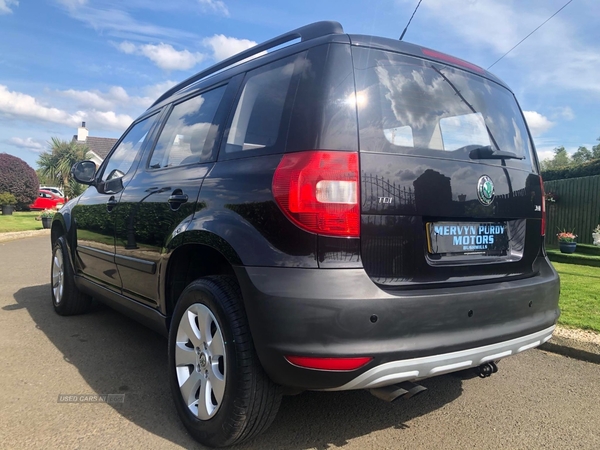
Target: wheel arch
(194, 255)
(60, 227)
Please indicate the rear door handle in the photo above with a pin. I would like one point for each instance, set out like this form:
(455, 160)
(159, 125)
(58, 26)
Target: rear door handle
(177, 199)
(111, 203)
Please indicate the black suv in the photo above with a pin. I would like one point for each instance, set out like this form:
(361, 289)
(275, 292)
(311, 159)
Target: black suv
(343, 212)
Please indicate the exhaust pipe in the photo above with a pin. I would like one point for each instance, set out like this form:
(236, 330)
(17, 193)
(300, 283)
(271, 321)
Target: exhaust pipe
(487, 369)
(406, 389)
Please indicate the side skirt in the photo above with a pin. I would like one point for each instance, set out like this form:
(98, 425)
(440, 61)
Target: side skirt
(147, 316)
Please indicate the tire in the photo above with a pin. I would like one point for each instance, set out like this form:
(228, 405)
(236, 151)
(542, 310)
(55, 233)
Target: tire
(221, 392)
(66, 297)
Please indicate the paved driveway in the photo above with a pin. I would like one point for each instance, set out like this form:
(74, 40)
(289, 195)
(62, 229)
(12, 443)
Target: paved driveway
(536, 400)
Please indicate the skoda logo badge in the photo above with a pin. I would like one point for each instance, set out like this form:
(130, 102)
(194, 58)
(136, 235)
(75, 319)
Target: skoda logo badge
(485, 190)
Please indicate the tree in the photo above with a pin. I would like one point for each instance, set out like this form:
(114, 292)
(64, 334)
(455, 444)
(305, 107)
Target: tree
(582, 155)
(18, 179)
(560, 160)
(596, 150)
(56, 164)
(44, 180)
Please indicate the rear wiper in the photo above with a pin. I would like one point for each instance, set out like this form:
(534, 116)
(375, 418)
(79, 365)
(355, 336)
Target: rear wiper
(487, 152)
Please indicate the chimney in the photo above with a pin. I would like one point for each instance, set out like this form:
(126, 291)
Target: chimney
(82, 133)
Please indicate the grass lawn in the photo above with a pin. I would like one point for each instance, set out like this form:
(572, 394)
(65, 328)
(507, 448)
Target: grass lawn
(20, 221)
(579, 296)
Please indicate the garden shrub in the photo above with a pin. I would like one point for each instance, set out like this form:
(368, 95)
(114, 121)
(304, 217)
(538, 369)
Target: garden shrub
(18, 178)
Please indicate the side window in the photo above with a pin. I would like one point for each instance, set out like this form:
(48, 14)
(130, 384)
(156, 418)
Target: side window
(257, 119)
(121, 160)
(183, 139)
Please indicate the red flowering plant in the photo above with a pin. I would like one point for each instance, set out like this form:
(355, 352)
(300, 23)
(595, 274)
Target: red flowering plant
(566, 236)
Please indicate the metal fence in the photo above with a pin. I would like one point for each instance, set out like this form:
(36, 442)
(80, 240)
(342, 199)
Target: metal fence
(577, 207)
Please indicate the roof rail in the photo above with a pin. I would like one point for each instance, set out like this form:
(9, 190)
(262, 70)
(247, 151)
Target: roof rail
(305, 33)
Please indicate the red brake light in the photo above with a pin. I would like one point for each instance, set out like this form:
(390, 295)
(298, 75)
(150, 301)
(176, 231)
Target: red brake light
(452, 60)
(308, 362)
(319, 191)
(543, 207)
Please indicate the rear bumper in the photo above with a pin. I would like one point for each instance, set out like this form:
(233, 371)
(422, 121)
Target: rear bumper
(430, 366)
(416, 334)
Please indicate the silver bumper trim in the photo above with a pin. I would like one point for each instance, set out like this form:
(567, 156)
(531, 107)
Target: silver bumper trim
(429, 366)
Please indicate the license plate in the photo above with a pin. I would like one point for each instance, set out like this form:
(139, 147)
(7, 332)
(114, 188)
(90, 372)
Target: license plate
(467, 238)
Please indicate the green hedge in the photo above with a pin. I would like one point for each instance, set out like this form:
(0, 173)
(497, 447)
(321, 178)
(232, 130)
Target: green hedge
(582, 170)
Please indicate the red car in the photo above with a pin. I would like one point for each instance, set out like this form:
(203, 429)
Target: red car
(47, 200)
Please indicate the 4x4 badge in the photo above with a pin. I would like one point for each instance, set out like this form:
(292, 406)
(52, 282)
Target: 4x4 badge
(485, 190)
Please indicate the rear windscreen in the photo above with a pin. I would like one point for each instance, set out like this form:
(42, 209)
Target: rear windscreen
(412, 106)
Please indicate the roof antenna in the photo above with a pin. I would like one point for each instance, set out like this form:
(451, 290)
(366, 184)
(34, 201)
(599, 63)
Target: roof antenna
(410, 20)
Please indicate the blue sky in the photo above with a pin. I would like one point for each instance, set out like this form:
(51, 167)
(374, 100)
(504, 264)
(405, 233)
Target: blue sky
(104, 61)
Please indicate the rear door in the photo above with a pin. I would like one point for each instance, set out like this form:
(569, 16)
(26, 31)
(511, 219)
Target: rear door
(449, 192)
(160, 200)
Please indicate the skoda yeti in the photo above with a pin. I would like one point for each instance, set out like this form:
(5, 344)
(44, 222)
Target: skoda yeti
(342, 212)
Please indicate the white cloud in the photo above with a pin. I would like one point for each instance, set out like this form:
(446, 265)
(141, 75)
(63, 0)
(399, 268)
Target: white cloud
(223, 46)
(21, 105)
(115, 97)
(544, 154)
(538, 124)
(88, 98)
(27, 143)
(564, 112)
(164, 55)
(215, 6)
(25, 107)
(109, 17)
(155, 91)
(127, 47)
(108, 120)
(6, 4)
(71, 3)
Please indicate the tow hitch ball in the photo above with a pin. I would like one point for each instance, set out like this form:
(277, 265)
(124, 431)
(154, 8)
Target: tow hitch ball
(487, 369)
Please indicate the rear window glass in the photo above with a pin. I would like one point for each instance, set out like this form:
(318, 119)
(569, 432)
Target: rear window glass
(411, 106)
(259, 114)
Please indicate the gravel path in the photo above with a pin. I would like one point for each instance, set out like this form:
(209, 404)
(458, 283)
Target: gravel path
(12, 235)
(578, 335)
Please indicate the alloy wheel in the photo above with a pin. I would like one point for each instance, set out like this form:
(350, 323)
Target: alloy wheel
(200, 361)
(58, 276)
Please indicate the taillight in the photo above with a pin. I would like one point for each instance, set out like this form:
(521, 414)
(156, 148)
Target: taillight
(334, 364)
(318, 191)
(543, 207)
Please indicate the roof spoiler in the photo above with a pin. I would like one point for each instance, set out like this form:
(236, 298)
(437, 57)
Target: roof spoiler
(305, 33)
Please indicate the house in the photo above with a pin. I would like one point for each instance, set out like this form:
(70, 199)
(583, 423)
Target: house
(99, 146)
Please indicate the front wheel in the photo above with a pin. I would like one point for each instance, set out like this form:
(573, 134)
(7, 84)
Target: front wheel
(67, 299)
(220, 390)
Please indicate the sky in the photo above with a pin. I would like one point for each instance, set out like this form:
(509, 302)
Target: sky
(105, 61)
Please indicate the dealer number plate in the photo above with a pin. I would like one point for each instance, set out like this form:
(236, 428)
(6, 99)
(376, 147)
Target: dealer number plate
(465, 238)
